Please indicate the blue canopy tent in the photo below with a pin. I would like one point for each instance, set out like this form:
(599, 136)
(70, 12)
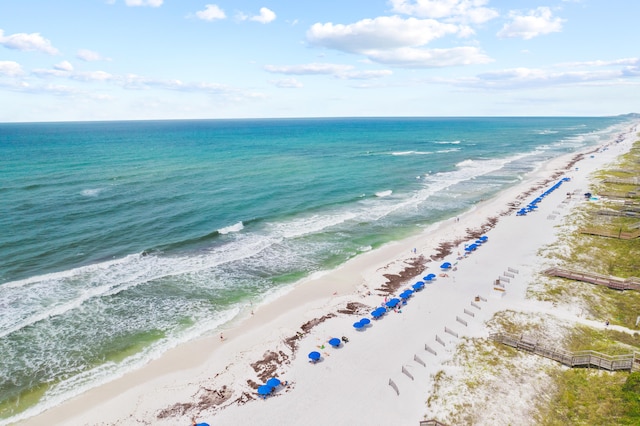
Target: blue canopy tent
(273, 382)
(446, 265)
(314, 356)
(378, 312)
(335, 342)
(265, 390)
(406, 294)
(392, 303)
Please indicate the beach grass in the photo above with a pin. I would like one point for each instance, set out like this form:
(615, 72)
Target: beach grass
(584, 396)
(592, 397)
(572, 396)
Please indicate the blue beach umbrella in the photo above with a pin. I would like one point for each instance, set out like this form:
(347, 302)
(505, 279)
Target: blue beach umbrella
(418, 286)
(358, 325)
(365, 321)
(429, 277)
(273, 382)
(406, 294)
(265, 390)
(446, 265)
(314, 356)
(392, 303)
(335, 342)
(378, 312)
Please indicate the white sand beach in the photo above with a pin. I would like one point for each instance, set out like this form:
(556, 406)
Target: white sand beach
(215, 380)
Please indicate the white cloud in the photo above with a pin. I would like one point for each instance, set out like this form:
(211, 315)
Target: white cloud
(343, 72)
(600, 63)
(211, 13)
(386, 32)
(408, 57)
(152, 3)
(471, 11)
(397, 41)
(364, 75)
(287, 83)
(309, 69)
(93, 76)
(266, 16)
(89, 56)
(10, 68)
(64, 66)
(535, 23)
(33, 42)
(592, 72)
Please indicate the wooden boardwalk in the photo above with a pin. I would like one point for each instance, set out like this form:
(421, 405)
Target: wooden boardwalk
(584, 359)
(611, 234)
(617, 213)
(619, 195)
(632, 181)
(431, 423)
(605, 280)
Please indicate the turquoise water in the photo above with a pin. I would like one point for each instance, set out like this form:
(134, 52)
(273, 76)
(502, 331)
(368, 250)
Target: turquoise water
(122, 239)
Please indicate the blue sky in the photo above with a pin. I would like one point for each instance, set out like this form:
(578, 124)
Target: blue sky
(67, 60)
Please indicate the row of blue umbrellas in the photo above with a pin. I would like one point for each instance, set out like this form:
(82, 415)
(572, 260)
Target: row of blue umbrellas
(315, 356)
(534, 204)
(474, 246)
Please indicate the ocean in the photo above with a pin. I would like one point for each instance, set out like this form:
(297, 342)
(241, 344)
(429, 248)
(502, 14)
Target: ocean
(123, 239)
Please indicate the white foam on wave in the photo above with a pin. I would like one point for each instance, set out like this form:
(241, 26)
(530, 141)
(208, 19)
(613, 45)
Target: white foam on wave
(94, 192)
(36, 299)
(384, 193)
(233, 228)
(411, 153)
(445, 151)
(110, 371)
(435, 183)
(309, 224)
(447, 142)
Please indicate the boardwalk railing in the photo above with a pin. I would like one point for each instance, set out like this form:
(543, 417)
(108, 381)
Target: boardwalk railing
(599, 279)
(587, 359)
(431, 423)
(632, 181)
(612, 234)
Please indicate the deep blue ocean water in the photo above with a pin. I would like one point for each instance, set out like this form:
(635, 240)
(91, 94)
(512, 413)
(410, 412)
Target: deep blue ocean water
(122, 239)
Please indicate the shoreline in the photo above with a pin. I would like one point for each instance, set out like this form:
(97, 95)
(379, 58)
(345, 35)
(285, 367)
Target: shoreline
(213, 375)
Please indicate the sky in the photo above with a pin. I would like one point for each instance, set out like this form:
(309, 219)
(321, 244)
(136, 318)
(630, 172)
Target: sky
(88, 60)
